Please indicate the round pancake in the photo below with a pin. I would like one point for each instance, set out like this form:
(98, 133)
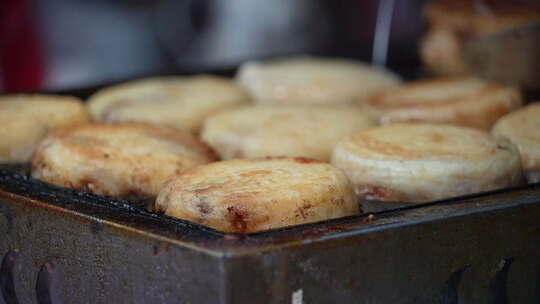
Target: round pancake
(311, 80)
(424, 162)
(522, 127)
(251, 195)
(292, 130)
(180, 102)
(26, 119)
(465, 101)
(117, 159)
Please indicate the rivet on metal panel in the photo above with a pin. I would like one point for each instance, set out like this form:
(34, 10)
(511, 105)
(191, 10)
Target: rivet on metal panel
(9, 268)
(48, 283)
(449, 293)
(498, 293)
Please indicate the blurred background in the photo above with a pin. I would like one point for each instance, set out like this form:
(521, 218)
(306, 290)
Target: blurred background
(65, 44)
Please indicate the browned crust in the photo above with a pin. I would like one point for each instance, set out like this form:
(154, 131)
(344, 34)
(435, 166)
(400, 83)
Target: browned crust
(252, 195)
(100, 167)
(377, 99)
(401, 150)
(424, 162)
(27, 118)
(166, 100)
(158, 132)
(292, 130)
(478, 109)
(523, 128)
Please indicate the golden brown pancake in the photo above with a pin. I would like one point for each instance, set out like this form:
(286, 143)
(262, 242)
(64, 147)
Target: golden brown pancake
(26, 119)
(425, 162)
(312, 80)
(117, 159)
(251, 195)
(465, 101)
(292, 130)
(522, 127)
(180, 102)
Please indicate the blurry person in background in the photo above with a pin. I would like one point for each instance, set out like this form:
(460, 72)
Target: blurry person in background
(63, 44)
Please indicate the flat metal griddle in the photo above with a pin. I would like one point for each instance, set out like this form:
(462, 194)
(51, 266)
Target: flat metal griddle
(63, 246)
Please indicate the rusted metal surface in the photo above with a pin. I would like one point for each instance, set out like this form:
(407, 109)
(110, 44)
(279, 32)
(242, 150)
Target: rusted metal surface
(79, 248)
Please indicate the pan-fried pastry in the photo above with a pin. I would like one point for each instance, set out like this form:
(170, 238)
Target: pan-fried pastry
(292, 130)
(424, 162)
(25, 119)
(117, 159)
(311, 80)
(180, 102)
(522, 127)
(465, 101)
(251, 195)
